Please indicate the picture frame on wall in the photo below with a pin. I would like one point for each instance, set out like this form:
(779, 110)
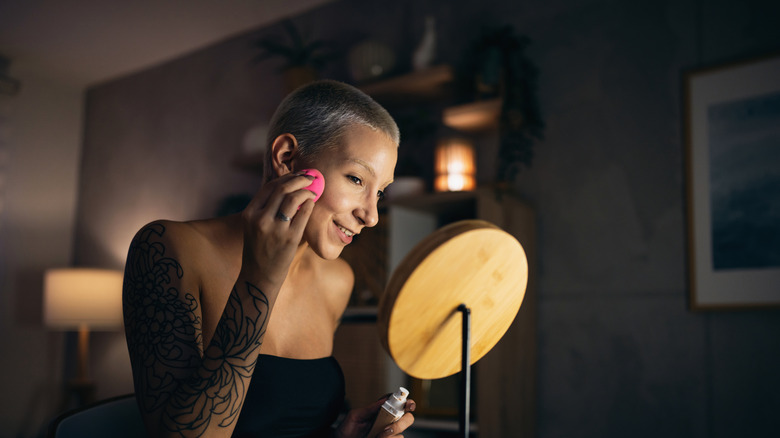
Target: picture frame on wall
(732, 124)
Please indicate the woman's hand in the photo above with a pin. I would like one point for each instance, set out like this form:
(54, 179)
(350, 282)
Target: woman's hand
(358, 422)
(274, 222)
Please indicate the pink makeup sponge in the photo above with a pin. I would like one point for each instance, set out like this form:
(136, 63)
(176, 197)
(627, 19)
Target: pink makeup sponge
(316, 186)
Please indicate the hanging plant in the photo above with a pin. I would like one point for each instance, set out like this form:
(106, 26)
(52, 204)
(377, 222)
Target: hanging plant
(503, 70)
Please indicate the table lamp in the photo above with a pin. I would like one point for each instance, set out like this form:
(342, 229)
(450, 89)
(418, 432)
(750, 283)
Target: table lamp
(455, 168)
(82, 299)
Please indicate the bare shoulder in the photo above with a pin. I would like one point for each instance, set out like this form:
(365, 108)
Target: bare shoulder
(340, 279)
(163, 232)
(176, 248)
(171, 232)
(185, 239)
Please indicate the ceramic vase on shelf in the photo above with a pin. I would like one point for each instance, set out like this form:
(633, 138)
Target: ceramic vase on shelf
(426, 50)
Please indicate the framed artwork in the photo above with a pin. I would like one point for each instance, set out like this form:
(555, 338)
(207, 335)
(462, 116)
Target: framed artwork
(732, 122)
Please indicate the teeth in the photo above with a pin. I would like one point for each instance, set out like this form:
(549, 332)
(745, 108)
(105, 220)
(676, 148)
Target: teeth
(346, 231)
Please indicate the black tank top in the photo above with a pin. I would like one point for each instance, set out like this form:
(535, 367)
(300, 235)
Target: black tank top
(290, 398)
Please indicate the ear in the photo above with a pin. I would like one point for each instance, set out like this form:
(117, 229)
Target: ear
(283, 150)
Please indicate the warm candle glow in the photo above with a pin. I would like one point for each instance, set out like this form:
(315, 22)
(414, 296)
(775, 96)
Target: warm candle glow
(455, 168)
(456, 182)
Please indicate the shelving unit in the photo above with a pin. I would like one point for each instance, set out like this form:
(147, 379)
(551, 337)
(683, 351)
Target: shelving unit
(505, 395)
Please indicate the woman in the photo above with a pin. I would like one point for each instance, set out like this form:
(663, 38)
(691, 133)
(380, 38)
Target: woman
(230, 321)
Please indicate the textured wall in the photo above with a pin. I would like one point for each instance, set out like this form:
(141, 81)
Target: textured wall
(619, 351)
(39, 143)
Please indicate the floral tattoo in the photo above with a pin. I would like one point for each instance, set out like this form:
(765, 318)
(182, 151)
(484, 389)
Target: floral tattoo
(164, 336)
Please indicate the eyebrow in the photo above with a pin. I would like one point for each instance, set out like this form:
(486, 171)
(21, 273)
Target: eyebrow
(368, 168)
(364, 164)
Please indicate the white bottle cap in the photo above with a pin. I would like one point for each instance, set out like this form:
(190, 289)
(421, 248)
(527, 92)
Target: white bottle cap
(398, 399)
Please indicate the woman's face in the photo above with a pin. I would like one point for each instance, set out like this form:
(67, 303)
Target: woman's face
(356, 174)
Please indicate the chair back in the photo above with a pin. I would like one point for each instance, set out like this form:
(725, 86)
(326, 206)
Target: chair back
(116, 417)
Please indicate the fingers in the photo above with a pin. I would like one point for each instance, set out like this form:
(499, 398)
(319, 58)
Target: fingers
(273, 225)
(278, 200)
(286, 194)
(403, 423)
(368, 413)
(260, 200)
(290, 206)
(397, 428)
(301, 216)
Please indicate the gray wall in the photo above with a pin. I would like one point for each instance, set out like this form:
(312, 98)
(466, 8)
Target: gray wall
(38, 190)
(619, 351)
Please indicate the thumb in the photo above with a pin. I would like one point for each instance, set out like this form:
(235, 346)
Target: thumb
(368, 413)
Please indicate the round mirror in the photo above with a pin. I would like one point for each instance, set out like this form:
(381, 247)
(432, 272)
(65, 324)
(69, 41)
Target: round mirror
(471, 262)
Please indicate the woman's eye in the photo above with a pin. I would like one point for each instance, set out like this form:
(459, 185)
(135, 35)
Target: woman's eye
(381, 195)
(355, 179)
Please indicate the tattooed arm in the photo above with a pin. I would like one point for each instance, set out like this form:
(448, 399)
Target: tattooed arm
(183, 390)
(185, 387)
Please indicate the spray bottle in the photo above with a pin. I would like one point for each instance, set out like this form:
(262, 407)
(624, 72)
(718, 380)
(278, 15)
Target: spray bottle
(392, 410)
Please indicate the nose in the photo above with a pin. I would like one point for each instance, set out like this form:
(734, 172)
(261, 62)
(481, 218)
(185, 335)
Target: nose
(368, 213)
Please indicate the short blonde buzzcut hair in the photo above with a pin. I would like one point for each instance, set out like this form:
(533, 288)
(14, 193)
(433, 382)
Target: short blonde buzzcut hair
(319, 113)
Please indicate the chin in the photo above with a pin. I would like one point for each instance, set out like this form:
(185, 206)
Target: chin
(329, 253)
(325, 250)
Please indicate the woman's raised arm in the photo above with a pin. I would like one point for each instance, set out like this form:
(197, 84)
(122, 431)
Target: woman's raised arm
(183, 388)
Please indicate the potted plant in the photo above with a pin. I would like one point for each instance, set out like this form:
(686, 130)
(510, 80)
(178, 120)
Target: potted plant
(502, 69)
(303, 58)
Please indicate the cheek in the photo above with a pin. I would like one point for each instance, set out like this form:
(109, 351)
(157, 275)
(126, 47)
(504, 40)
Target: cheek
(332, 201)
(324, 210)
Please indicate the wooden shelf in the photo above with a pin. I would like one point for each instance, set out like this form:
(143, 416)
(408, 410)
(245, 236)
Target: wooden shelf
(473, 117)
(436, 202)
(446, 207)
(438, 425)
(432, 84)
(428, 84)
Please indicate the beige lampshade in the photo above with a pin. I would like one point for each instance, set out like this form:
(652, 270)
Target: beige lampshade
(455, 167)
(78, 297)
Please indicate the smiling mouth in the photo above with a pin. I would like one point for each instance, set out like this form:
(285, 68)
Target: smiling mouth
(345, 231)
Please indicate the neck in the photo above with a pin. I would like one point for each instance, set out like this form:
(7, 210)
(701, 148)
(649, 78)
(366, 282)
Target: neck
(301, 257)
